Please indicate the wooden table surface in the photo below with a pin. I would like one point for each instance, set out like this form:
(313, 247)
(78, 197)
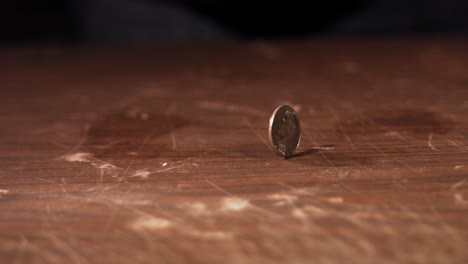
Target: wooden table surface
(159, 154)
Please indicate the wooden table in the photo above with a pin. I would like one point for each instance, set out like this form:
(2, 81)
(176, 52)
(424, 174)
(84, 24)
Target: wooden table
(159, 154)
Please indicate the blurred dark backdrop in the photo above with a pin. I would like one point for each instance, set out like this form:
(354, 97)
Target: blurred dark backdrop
(89, 21)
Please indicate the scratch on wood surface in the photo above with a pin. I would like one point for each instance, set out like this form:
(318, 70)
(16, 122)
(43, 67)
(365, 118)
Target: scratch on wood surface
(103, 166)
(396, 134)
(70, 251)
(143, 144)
(345, 134)
(458, 144)
(308, 211)
(429, 143)
(458, 184)
(457, 167)
(218, 188)
(82, 140)
(144, 173)
(452, 142)
(144, 224)
(410, 167)
(168, 168)
(338, 172)
(78, 157)
(235, 203)
(398, 160)
(118, 202)
(459, 200)
(152, 223)
(23, 245)
(257, 134)
(28, 247)
(299, 191)
(149, 223)
(61, 185)
(324, 147)
(283, 198)
(232, 202)
(189, 162)
(173, 139)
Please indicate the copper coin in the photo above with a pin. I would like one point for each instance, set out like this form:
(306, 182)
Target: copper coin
(284, 131)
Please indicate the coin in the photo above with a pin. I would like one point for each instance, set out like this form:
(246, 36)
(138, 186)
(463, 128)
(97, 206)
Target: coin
(284, 131)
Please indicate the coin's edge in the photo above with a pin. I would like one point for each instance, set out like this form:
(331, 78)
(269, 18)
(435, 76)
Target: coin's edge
(270, 126)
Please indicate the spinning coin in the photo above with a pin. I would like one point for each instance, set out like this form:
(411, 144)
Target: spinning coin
(284, 131)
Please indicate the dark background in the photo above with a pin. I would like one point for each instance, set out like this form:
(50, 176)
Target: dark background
(25, 22)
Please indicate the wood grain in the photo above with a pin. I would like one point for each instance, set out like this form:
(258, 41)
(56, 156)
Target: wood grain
(159, 154)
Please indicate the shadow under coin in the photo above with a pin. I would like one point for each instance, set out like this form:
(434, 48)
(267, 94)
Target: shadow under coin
(331, 157)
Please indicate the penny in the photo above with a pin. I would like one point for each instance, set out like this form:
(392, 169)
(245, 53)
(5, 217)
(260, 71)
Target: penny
(284, 131)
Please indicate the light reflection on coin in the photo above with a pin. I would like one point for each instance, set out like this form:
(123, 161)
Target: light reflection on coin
(284, 131)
